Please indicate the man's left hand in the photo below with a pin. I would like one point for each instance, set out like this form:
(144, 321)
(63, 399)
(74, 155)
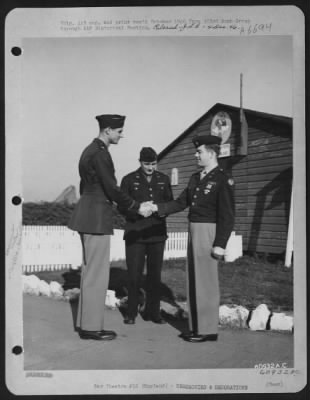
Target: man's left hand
(218, 253)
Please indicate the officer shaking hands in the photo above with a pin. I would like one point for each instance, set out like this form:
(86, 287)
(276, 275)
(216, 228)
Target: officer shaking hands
(145, 237)
(93, 219)
(209, 196)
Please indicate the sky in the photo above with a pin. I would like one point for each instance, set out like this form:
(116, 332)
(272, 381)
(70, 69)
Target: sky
(162, 85)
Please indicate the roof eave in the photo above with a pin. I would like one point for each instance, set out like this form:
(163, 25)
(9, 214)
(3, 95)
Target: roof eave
(278, 118)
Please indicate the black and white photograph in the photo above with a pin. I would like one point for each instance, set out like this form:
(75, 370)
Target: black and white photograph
(155, 197)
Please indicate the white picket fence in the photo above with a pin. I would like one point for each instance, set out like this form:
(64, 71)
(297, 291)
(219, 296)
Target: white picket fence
(47, 248)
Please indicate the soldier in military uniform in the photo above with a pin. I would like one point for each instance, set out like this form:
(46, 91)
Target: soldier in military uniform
(93, 219)
(145, 237)
(209, 196)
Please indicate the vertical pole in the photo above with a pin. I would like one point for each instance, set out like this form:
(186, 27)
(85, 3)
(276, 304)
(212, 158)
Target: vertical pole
(289, 242)
(241, 99)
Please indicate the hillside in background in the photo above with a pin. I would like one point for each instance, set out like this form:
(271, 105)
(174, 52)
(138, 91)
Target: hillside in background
(68, 195)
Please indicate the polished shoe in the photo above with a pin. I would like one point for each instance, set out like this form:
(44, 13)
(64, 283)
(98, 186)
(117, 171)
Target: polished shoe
(97, 335)
(129, 321)
(186, 334)
(156, 320)
(196, 338)
(104, 332)
(145, 317)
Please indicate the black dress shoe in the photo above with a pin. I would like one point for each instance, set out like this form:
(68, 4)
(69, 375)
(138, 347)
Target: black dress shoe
(196, 338)
(156, 320)
(145, 317)
(97, 335)
(186, 334)
(129, 321)
(104, 332)
(107, 334)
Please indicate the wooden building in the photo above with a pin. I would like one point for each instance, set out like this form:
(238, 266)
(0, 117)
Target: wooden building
(263, 177)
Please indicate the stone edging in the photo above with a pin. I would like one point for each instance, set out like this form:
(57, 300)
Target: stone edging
(259, 319)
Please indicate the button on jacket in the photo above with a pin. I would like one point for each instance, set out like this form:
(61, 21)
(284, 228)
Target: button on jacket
(210, 200)
(136, 185)
(93, 213)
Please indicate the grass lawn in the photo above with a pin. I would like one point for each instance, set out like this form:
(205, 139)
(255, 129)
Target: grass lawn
(247, 281)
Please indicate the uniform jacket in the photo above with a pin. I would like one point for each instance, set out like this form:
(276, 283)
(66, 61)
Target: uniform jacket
(210, 199)
(153, 228)
(98, 189)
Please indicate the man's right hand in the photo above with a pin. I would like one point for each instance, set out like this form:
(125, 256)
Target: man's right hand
(146, 209)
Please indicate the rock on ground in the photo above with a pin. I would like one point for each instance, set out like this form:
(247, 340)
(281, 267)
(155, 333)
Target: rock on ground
(45, 289)
(31, 284)
(72, 294)
(281, 322)
(56, 289)
(175, 311)
(259, 318)
(111, 301)
(235, 316)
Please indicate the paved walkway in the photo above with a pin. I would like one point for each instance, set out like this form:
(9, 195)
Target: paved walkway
(50, 343)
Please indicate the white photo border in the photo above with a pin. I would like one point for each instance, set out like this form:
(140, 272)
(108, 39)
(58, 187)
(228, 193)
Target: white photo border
(264, 20)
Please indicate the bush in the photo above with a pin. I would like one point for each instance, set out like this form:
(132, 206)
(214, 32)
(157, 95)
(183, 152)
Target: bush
(54, 213)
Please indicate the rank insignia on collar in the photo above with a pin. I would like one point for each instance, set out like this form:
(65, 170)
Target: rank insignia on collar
(230, 181)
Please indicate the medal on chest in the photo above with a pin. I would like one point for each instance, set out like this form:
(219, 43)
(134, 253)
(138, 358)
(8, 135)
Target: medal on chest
(209, 187)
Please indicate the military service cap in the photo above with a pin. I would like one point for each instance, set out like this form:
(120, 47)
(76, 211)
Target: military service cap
(207, 140)
(113, 121)
(148, 154)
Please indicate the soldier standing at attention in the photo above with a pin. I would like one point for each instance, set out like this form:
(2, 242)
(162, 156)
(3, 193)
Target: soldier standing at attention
(93, 219)
(209, 196)
(145, 237)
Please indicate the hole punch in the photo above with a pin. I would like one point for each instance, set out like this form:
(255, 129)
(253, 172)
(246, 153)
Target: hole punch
(17, 350)
(16, 51)
(16, 200)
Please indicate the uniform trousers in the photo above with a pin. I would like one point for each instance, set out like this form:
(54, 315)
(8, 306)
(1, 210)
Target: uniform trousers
(136, 254)
(202, 279)
(94, 281)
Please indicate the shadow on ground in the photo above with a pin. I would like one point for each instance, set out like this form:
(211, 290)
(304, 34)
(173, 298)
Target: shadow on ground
(179, 324)
(118, 283)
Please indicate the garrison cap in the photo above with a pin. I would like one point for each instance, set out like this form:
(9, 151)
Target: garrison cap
(113, 121)
(207, 140)
(148, 154)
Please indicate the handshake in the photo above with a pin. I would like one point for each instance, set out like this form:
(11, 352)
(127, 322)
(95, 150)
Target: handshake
(147, 208)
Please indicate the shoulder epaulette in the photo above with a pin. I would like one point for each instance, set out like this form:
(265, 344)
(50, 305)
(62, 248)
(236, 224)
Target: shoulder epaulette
(161, 174)
(134, 173)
